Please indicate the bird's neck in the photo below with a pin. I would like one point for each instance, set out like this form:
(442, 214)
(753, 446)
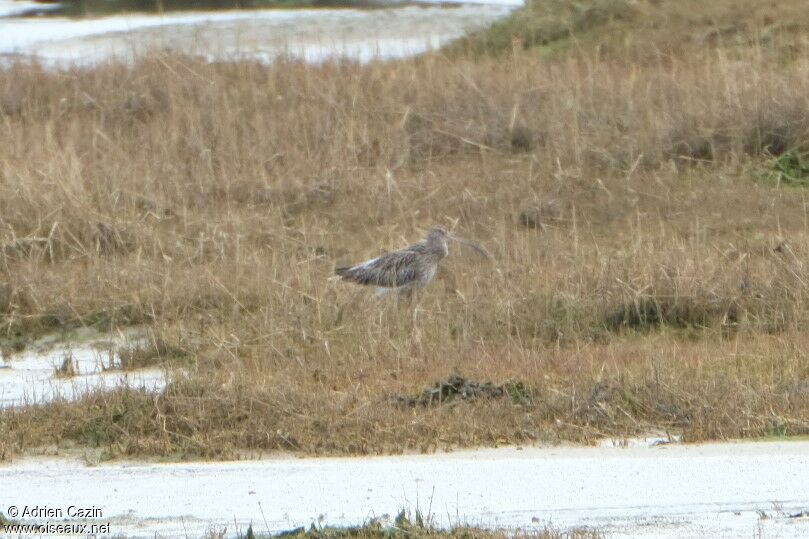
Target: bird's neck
(439, 248)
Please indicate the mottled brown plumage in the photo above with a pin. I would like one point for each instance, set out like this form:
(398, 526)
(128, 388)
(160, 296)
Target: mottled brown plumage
(413, 267)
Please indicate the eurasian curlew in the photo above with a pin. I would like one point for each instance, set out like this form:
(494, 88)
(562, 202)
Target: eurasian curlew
(407, 269)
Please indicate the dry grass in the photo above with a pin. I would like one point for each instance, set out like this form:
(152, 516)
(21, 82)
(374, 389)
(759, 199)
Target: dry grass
(659, 279)
(148, 352)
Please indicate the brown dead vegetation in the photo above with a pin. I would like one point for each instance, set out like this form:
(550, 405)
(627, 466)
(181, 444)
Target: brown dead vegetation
(648, 272)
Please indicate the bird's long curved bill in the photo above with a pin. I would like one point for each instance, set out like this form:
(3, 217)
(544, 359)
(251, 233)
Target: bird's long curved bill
(474, 246)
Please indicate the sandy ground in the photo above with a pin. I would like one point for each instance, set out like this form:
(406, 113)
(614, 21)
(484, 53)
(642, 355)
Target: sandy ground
(313, 34)
(713, 490)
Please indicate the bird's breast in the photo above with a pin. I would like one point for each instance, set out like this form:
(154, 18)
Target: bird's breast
(428, 273)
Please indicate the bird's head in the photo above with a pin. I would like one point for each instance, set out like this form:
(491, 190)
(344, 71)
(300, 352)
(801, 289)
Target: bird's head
(440, 236)
(437, 240)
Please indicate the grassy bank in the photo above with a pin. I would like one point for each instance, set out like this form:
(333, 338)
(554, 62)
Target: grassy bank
(648, 224)
(647, 30)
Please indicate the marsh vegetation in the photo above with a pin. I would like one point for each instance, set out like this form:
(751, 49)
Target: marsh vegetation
(644, 206)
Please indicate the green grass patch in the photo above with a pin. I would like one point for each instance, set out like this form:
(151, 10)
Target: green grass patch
(790, 168)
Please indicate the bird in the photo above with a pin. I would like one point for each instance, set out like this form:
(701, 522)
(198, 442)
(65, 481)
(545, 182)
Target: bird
(407, 269)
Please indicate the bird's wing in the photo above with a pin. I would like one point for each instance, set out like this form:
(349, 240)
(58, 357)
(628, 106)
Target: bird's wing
(394, 269)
